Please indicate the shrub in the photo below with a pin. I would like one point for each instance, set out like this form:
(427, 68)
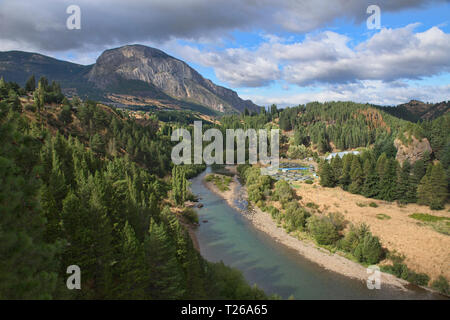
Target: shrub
(283, 192)
(338, 220)
(295, 217)
(427, 217)
(441, 285)
(312, 205)
(383, 216)
(400, 270)
(30, 107)
(360, 204)
(309, 182)
(274, 212)
(373, 205)
(420, 279)
(369, 249)
(190, 215)
(323, 230)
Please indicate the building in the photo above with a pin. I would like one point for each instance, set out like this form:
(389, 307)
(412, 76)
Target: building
(340, 154)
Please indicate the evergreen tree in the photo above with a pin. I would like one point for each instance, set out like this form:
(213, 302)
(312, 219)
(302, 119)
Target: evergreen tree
(424, 189)
(28, 264)
(371, 183)
(336, 166)
(326, 175)
(97, 145)
(438, 185)
(404, 183)
(30, 85)
(356, 176)
(387, 184)
(345, 179)
(165, 275)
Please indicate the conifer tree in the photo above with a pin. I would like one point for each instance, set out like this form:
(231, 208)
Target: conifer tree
(165, 275)
(30, 85)
(439, 184)
(387, 185)
(356, 176)
(326, 175)
(424, 189)
(336, 166)
(404, 183)
(345, 179)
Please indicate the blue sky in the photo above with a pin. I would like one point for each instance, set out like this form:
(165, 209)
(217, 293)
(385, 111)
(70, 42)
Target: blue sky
(437, 15)
(286, 52)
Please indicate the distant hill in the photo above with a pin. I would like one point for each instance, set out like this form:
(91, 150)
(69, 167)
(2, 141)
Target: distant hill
(133, 75)
(417, 110)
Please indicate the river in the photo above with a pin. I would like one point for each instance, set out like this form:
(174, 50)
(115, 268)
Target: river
(229, 237)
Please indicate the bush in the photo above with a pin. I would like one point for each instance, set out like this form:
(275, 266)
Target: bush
(369, 249)
(323, 230)
(373, 205)
(338, 220)
(295, 217)
(400, 270)
(383, 216)
(309, 182)
(191, 215)
(65, 116)
(283, 192)
(30, 107)
(420, 279)
(274, 212)
(312, 205)
(425, 217)
(441, 285)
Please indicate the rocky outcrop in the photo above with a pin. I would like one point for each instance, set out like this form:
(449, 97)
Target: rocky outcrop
(136, 72)
(413, 150)
(170, 75)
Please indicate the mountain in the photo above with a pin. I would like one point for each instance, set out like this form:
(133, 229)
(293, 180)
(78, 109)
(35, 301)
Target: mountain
(417, 110)
(130, 75)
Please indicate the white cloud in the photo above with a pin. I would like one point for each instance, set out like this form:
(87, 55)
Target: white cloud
(42, 24)
(389, 55)
(370, 91)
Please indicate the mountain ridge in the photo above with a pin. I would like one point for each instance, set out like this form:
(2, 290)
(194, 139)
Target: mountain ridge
(145, 75)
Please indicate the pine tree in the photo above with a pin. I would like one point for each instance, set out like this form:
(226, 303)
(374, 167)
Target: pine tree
(326, 175)
(336, 166)
(438, 181)
(97, 145)
(345, 179)
(28, 264)
(356, 176)
(165, 275)
(387, 185)
(424, 189)
(30, 85)
(404, 183)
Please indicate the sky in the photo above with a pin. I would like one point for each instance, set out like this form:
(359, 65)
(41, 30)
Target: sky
(286, 52)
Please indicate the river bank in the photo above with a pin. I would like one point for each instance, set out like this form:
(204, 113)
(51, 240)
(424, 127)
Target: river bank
(264, 222)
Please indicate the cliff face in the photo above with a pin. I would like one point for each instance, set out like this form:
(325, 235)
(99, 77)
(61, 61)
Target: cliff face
(170, 75)
(412, 151)
(131, 75)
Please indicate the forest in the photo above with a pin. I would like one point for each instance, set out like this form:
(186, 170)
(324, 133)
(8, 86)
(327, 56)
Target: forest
(319, 128)
(84, 184)
(87, 184)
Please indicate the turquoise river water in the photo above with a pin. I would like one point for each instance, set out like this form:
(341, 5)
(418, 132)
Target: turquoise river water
(229, 237)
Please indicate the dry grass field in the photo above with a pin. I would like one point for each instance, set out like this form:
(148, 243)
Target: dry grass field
(426, 249)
